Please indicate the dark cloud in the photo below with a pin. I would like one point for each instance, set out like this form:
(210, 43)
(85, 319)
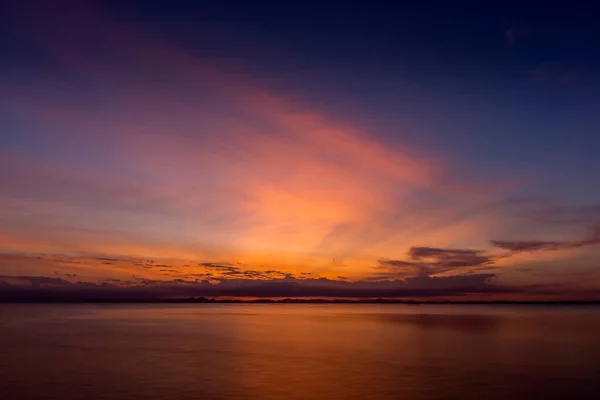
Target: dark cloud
(518, 246)
(417, 274)
(215, 265)
(38, 281)
(228, 279)
(113, 281)
(168, 268)
(427, 261)
(65, 274)
(526, 245)
(66, 259)
(238, 271)
(145, 289)
(450, 258)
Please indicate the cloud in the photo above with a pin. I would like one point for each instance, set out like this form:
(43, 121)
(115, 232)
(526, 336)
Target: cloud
(65, 274)
(518, 246)
(231, 271)
(450, 258)
(143, 289)
(427, 261)
(424, 261)
(217, 266)
(588, 215)
(426, 272)
(38, 281)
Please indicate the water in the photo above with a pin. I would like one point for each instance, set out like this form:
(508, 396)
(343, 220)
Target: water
(229, 351)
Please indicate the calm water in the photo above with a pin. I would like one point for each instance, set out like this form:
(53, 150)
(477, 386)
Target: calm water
(298, 352)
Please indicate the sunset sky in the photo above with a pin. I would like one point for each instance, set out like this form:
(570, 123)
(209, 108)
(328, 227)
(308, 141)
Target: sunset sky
(299, 149)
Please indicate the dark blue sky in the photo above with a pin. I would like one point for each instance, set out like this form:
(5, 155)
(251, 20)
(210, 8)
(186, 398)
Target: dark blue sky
(504, 87)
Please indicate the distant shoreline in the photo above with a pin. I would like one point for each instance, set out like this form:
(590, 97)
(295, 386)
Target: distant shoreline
(203, 300)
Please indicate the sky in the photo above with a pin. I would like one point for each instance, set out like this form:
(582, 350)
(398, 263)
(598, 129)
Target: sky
(299, 149)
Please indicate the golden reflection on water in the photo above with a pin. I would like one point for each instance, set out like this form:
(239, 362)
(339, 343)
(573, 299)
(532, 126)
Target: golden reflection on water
(298, 351)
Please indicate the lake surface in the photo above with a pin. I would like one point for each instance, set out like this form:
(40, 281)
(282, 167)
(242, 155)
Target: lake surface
(274, 351)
